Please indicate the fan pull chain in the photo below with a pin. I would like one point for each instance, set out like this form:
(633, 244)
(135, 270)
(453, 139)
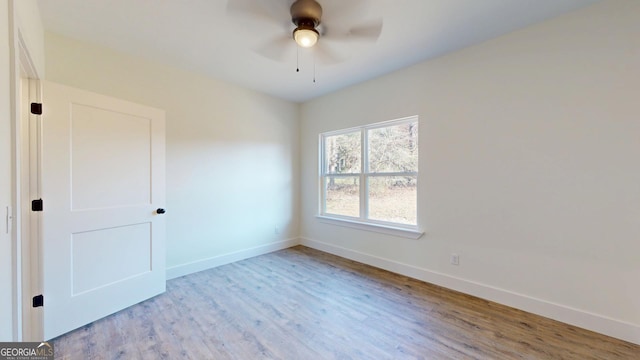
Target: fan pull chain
(314, 68)
(297, 58)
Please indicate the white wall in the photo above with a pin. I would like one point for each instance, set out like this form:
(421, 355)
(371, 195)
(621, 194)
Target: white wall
(529, 168)
(232, 153)
(6, 319)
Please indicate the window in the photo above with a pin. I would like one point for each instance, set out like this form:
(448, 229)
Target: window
(370, 174)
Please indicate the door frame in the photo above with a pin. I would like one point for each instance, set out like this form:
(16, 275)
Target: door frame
(25, 88)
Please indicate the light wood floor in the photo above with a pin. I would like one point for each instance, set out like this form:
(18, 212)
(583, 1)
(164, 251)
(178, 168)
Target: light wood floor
(300, 303)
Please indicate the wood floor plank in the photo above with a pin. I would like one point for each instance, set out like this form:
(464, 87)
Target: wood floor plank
(301, 303)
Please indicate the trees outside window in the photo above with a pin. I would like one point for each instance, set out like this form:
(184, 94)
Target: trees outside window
(370, 173)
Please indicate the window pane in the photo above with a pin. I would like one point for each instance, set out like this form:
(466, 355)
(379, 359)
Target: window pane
(343, 196)
(342, 153)
(394, 148)
(393, 199)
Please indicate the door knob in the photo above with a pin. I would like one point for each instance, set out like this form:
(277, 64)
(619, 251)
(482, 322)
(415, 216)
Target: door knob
(160, 211)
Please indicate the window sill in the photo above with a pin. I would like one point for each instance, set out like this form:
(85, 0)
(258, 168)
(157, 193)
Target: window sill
(379, 228)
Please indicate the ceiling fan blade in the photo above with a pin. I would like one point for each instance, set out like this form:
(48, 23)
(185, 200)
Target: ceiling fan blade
(267, 10)
(276, 49)
(344, 12)
(367, 31)
(325, 55)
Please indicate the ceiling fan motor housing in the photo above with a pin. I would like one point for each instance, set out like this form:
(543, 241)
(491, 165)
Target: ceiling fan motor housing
(306, 14)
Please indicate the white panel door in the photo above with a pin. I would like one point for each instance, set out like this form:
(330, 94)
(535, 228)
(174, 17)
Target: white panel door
(103, 181)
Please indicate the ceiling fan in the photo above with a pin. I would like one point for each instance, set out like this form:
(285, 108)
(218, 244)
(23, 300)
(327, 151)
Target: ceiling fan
(308, 25)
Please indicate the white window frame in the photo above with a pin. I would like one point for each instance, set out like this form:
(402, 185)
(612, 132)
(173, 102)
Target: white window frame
(363, 222)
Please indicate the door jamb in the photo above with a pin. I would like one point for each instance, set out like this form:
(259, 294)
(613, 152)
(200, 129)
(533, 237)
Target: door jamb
(30, 224)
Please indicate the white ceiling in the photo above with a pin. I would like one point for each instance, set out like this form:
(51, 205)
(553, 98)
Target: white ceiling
(202, 36)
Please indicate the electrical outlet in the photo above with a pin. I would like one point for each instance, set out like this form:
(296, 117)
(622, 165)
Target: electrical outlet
(276, 230)
(455, 259)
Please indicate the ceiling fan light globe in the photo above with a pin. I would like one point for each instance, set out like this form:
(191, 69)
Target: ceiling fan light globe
(305, 37)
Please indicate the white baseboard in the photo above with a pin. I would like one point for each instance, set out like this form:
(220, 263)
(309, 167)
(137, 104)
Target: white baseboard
(594, 322)
(205, 264)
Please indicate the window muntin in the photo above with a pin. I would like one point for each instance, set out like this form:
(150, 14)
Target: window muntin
(386, 191)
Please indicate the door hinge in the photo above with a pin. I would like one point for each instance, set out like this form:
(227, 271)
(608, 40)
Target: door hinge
(38, 301)
(36, 108)
(37, 205)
